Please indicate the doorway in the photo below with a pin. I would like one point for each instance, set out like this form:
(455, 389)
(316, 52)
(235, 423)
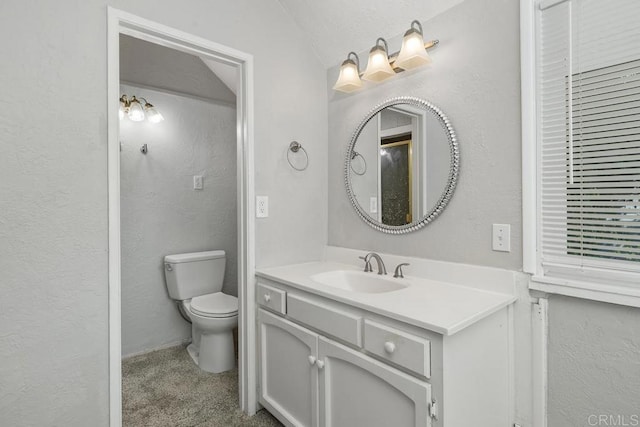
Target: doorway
(122, 23)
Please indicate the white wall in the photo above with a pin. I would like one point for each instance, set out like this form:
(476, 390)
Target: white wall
(162, 214)
(475, 80)
(53, 183)
(594, 363)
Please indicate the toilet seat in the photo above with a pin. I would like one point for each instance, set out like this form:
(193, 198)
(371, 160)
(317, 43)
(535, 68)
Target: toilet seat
(215, 305)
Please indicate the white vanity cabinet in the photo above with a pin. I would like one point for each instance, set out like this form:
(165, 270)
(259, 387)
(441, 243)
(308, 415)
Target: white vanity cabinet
(327, 363)
(356, 390)
(288, 375)
(309, 380)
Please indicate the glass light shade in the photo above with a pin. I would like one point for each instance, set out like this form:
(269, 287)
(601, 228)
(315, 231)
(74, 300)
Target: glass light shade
(412, 53)
(121, 112)
(378, 67)
(349, 78)
(136, 113)
(153, 115)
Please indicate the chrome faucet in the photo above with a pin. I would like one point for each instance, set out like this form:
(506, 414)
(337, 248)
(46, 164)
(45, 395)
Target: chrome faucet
(367, 263)
(398, 273)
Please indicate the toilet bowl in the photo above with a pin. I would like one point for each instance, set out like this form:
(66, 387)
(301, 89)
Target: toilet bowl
(195, 281)
(213, 318)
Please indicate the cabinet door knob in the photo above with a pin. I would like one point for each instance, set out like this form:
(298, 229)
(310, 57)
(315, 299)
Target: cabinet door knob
(319, 364)
(312, 360)
(389, 347)
(267, 297)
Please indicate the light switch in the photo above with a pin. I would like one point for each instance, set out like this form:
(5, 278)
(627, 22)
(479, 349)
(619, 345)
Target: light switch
(198, 182)
(502, 237)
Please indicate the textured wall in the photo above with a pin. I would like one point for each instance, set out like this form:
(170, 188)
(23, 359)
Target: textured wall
(594, 363)
(475, 79)
(162, 213)
(53, 183)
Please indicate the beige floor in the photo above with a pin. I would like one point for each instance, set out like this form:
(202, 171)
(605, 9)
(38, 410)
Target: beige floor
(165, 388)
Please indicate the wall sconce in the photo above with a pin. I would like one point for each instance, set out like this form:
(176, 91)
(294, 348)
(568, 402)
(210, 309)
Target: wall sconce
(132, 108)
(381, 65)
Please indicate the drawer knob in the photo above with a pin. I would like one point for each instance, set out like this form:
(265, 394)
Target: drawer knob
(267, 297)
(389, 347)
(319, 364)
(312, 360)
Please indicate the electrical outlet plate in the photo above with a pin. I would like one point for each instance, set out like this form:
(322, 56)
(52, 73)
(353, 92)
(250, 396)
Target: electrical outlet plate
(501, 240)
(262, 206)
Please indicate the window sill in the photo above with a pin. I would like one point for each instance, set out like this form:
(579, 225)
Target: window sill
(610, 293)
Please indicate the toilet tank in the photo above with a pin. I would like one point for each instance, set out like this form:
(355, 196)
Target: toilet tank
(194, 274)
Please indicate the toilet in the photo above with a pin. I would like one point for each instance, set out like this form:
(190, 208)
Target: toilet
(195, 281)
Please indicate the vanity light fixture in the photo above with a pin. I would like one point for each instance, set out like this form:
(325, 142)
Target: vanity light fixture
(383, 65)
(132, 108)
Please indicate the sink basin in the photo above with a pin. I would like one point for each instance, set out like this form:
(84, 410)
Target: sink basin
(357, 281)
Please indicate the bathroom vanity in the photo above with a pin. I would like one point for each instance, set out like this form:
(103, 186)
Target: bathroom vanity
(341, 347)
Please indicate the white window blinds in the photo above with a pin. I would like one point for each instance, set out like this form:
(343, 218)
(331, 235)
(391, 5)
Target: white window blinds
(588, 78)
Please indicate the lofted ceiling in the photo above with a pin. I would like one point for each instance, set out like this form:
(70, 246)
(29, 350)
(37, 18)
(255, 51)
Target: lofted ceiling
(336, 27)
(151, 65)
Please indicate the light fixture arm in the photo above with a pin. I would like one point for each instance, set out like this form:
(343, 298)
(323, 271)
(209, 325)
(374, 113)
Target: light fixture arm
(418, 24)
(357, 59)
(386, 46)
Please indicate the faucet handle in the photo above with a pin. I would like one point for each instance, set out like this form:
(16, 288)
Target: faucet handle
(367, 264)
(398, 272)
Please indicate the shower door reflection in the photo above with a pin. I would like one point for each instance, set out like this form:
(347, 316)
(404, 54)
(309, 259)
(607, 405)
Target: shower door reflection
(395, 180)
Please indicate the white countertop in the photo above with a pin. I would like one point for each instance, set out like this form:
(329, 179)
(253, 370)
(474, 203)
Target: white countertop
(438, 306)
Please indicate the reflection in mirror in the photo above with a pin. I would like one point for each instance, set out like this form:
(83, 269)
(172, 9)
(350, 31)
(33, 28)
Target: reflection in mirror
(402, 165)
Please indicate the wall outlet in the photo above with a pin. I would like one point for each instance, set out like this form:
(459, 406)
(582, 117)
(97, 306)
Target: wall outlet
(198, 182)
(502, 237)
(262, 206)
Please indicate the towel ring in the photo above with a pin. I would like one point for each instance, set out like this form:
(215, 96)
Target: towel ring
(294, 147)
(355, 154)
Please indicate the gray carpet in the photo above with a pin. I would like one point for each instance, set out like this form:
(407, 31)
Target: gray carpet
(165, 388)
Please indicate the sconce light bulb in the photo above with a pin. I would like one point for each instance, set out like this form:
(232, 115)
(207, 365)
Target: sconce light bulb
(153, 115)
(136, 113)
(378, 67)
(349, 78)
(412, 53)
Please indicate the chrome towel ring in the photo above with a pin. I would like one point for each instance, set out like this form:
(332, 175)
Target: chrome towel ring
(295, 147)
(355, 154)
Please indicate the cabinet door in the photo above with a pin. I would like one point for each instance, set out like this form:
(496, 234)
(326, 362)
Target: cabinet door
(289, 378)
(358, 391)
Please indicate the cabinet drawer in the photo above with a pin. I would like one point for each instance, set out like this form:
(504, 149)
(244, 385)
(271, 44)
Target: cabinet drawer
(400, 347)
(273, 298)
(338, 323)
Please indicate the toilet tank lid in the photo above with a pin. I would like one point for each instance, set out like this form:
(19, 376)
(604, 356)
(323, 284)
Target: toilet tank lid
(193, 256)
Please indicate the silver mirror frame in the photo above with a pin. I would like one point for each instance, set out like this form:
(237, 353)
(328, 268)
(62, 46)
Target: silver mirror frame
(454, 167)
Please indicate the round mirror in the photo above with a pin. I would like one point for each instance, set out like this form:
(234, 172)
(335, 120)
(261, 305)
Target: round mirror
(402, 165)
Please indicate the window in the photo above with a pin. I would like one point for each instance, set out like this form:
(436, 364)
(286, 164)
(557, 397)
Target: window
(585, 75)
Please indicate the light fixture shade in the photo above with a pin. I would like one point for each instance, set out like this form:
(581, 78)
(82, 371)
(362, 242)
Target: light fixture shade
(153, 115)
(412, 53)
(378, 67)
(136, 113)
(349, 78)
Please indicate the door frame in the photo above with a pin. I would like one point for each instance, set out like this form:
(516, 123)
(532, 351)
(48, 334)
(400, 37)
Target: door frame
(120, 22)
